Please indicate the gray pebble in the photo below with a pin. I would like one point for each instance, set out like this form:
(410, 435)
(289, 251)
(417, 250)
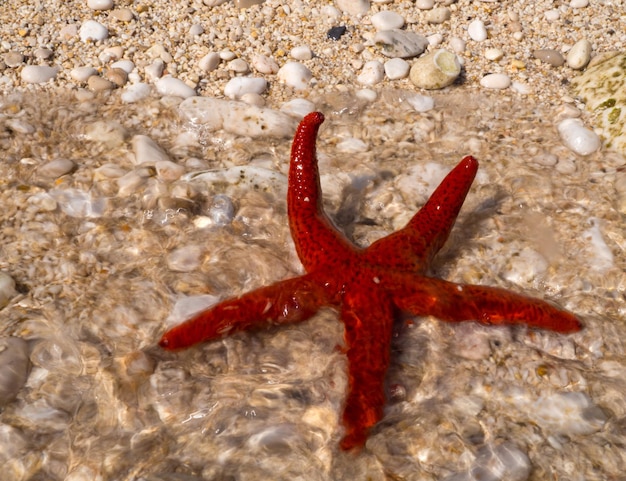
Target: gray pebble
(56, 168)
(401, 43)
(438, 15)
(13, 59)
(549, 56)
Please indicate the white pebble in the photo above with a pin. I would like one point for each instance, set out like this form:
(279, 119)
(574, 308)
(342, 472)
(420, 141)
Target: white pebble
(298, 107)
(353, 7)
(435, 39)
(520, 87)
(438, 15)
(37, 74)
(424, 4)
(238, 65)
(126, 65)
(295, 75)
(135, 92)
(239, 86)
(577, 137)
(579, 3)
(396, 68)
(196, 29)
(81, 74)
(372, 73)
(264, 64)
(209, 62)
(92, 30)
(457, 44)
(301, 52)
(100, 4)
(495, 81)
(7, 289)
(147, 151)
(227, 55)
(155, 70)
(477, 31)
(387, 20)
(56, 168)
(579, 55)
(551, 15)
(494, 54)
(421, 103)
(367, 95)
(173, 86)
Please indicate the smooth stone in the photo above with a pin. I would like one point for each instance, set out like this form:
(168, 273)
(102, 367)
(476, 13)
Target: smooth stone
(100, 4)
(298, 108)
(135, 92)
(264, 64)
(37, 74)
(43, 53)
(295, 75)
(438, 15)
(172, 86)
(14, 367)
(549, 56)
(477, 31)
(435, 70)
(92, 30)
(579, 55)
(196, 29)
(579, 3)
(155, 70)
(246, 3)
(387, 20)
(424, 4)
(116, 75)
(147, 151)
(239, 86)
(335, 33)
(457, 44)
(353, 7)
(400, 43)
(126, 65)
(495, 81)
(238, 117)
(111, 54)
(372, 73)
(13, 59)
(227, 55)
(397, 68)
(7, 289)
(238, 65)
(122, 14)
(577, 137)
(210, 61)
(552, 15)
(301, 52)
(420, 103)
(95, 83)
(494, 54)
(435, 39)
(56, 168)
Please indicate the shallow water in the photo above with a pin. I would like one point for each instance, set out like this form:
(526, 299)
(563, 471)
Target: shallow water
(104, 265)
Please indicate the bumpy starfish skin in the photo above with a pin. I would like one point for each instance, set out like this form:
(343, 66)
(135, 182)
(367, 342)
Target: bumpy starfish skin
(367, 286)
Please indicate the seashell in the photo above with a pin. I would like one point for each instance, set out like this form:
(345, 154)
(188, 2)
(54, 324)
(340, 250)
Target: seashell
(435, 70)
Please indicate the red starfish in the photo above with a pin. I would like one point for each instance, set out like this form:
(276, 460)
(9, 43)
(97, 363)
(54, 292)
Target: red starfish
(367, 285)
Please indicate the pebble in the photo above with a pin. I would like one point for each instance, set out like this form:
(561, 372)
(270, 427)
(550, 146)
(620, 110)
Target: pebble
(122, 14)
(126, 65)
(549, 56)
(172, 86)
(579, 55)
(13, 59)
(579, 3)
(95, 83)
(435, 70)
(238, 65)
(238, 117)
(424, 4)
(264, 64)
(397, 68)
(387, 20)
(155, 70)
(438, 15)
(100, 4)
(335, 33)
(147, 151)
(92, 30)
(56, 168)
(37, 74)
(209, 62)
(477, 31)
(116, 75)
(135, 92)
(400, 43)
(420, 103)
(7, 289)
(196, 29)
(43, 53)
(298, 108)
(295, 75)
(551, 15)
(577, 137)
(239, 86)
(494, 54)
(457, 44)
(14, 367)
(227, 55)
(372, 73)
(495, 81)
(301, 52)
(353, 7)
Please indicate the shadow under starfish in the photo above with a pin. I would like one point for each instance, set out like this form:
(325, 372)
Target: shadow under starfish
(367, 285)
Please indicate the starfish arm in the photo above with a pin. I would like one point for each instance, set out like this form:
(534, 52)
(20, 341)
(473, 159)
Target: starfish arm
(317, 240)
(414, 246)
(368, 319)
(285, 302)
(488, 305)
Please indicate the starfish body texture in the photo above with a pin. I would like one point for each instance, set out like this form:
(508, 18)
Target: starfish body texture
(367, 286)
